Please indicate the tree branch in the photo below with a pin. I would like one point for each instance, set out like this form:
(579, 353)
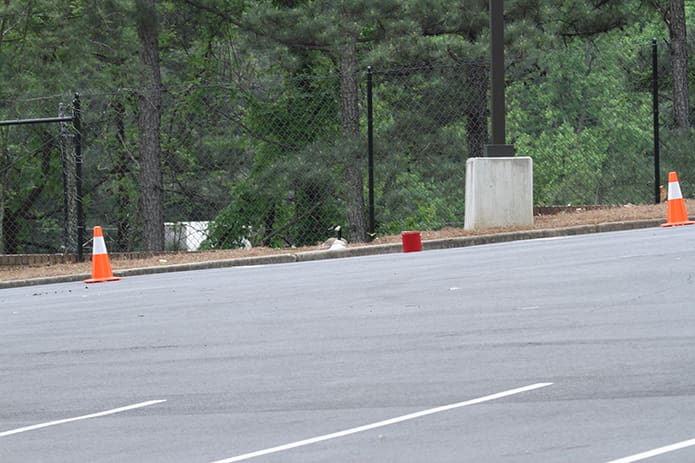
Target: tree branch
(269, 32)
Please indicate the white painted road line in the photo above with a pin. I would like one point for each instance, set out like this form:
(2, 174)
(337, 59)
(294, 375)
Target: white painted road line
(381, 424)
(656, 452)
(78, 418)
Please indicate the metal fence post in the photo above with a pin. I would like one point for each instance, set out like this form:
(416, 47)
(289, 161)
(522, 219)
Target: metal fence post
(370, 153)
(655, 104)
(63, 161)
(77, 124)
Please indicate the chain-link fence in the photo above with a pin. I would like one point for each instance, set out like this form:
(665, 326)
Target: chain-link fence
(279, 160)
(428, 122)
(585, 117)
(39, 174)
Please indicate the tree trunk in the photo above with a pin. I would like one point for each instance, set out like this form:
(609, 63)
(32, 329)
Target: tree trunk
(679, 63)
(149, 116)
(350, 121)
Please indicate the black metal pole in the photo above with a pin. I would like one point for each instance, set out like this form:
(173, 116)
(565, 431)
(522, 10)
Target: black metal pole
(370, 153)
(498, 147)
(655, 104)
(77, 124)
(66, 191)
(497, 60)
(36, 121)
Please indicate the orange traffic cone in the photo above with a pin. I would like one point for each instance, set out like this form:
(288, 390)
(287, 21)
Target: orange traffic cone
(676, 213)
(101, 267)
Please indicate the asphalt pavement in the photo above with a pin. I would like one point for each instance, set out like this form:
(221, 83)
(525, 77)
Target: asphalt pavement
(555, 349)
(354, 250)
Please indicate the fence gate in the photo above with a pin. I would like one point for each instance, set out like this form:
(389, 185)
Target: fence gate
(14, 221)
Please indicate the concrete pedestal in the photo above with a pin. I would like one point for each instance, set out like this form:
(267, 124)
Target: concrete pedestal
(499, 192)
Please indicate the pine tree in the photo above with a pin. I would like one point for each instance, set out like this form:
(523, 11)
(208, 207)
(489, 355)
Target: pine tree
(673, 14)
(149, 117)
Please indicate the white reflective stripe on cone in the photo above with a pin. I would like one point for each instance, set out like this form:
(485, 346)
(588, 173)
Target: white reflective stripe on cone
(98, 246)
(674, 191)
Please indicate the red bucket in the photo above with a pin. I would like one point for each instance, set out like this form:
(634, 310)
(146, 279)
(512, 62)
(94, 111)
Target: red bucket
(411, 241)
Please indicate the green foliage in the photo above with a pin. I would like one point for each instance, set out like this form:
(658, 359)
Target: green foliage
(422, 135)
(29, 194)
(288, 196)
(282, 202)
(677, 155)
(585, 133)
(256, 129)
(588, 18)
(410, 203)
